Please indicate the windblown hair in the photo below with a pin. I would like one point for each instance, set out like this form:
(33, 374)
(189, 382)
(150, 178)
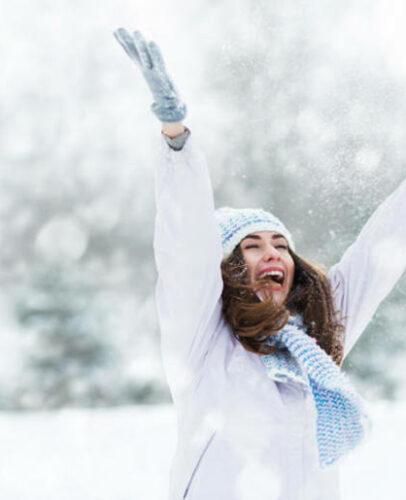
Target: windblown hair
(253, 321)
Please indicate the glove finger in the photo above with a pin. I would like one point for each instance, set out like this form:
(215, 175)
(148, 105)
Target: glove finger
(141, 46)
(156, 56)
(126, 41)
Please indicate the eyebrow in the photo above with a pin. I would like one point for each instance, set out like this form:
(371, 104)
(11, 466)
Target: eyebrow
(256, 237)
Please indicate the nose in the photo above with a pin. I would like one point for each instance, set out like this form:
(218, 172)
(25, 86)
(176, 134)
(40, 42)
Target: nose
(271, 253)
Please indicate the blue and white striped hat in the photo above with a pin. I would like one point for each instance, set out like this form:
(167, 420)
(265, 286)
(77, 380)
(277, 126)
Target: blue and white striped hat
(237, 223)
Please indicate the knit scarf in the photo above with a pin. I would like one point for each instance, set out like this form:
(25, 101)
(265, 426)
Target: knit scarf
(341, 418)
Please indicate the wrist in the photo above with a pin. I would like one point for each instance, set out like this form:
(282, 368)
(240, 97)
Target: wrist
(172, 130)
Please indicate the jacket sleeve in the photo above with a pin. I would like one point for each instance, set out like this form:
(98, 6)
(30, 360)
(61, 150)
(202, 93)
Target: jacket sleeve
(188, 254)
(371, 266)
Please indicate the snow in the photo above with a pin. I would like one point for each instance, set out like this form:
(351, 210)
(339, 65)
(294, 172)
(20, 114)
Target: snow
(62, 238)
(76, 119)
(125, 454)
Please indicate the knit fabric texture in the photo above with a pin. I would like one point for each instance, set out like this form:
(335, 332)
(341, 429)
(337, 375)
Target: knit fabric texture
(237, 223)
(342, 421)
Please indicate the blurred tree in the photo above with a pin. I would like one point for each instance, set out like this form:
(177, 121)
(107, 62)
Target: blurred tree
(312, 134)
(72, 358)
(70, 182)
(303, 114)
(69, 354)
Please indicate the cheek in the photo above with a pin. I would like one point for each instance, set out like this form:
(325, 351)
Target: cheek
(291, 267)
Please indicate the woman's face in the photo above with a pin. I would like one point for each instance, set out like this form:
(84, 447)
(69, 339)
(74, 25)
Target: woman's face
(266, 254)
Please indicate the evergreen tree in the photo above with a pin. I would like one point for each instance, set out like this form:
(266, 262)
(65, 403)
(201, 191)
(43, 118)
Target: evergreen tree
(68, 351)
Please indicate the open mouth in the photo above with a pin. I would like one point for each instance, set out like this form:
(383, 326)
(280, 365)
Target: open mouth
(276, 279)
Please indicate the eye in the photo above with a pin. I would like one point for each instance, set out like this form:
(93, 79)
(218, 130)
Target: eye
(251, 246)
(282, 246)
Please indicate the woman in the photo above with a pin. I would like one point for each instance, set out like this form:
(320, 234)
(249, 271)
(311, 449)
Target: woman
(252, 335)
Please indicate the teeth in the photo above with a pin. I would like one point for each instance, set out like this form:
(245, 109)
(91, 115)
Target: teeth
(278, 274)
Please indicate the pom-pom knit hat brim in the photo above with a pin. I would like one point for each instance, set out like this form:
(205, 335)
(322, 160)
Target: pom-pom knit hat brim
(237, 223)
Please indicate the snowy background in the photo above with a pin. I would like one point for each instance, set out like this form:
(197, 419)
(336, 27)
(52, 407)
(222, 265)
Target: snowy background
(125, 454)
(290, 101)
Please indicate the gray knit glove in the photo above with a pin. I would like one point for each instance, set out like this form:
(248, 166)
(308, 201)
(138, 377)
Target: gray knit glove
(167, 105)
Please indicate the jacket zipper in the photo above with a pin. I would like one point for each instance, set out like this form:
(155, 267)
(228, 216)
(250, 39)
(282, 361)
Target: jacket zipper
(197, 465)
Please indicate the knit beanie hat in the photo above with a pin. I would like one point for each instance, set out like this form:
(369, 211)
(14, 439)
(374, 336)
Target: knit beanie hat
(237, 223)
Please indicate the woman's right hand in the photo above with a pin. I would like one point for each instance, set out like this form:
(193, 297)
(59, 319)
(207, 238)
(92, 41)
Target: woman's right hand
(167, 105)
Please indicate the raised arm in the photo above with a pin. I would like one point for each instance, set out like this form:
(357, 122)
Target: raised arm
(371, 266)
(187, 242)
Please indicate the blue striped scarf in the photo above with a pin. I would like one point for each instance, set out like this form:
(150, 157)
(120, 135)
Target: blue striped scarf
(341, 418)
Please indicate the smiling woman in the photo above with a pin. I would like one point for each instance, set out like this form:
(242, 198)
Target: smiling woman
(269, 248)
(253, 335)
(264, 282)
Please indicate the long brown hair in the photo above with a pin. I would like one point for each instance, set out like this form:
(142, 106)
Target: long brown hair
(253, 321)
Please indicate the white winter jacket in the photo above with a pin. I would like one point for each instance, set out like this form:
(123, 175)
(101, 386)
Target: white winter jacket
(242, 435)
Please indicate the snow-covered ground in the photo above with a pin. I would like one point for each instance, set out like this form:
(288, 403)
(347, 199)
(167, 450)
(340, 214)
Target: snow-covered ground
(125, 454)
